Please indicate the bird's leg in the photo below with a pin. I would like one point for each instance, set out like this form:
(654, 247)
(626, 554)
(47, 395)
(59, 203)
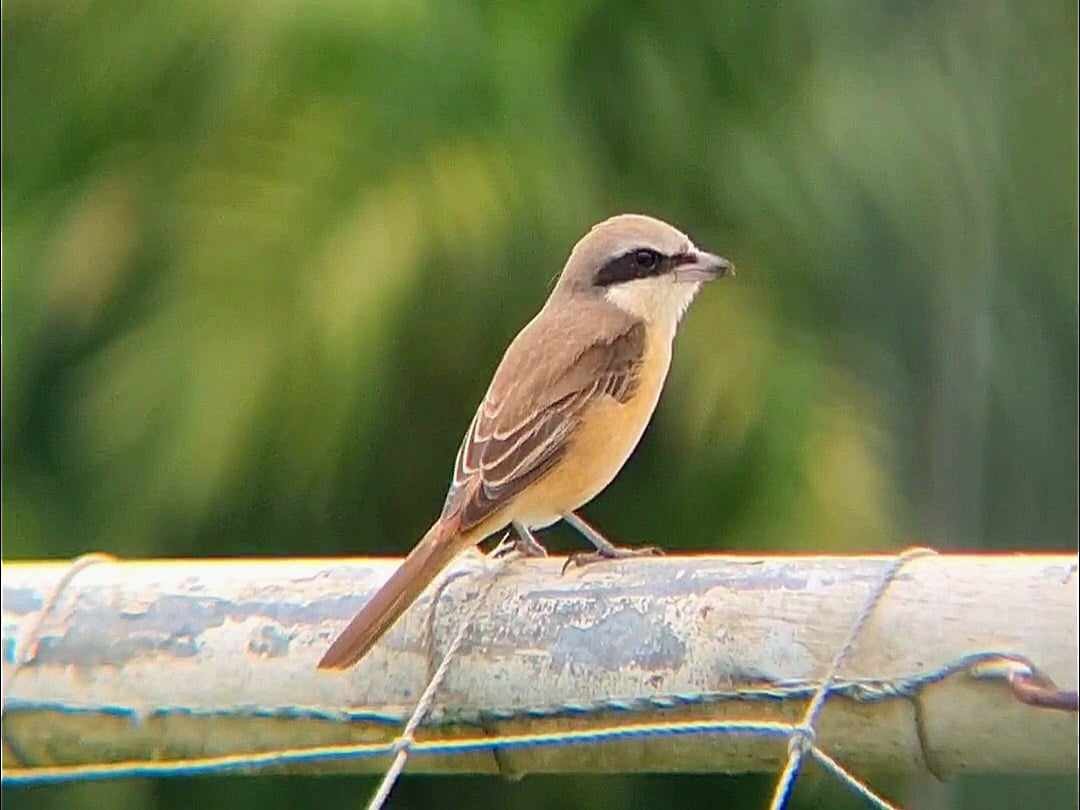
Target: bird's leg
(605, 549)
(528, 545)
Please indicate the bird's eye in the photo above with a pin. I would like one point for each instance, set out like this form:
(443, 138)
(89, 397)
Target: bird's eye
(646, 259)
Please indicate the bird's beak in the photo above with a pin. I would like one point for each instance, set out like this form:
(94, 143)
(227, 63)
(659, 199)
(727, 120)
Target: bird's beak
(704, 267)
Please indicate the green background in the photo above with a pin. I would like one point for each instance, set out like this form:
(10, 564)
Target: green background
(261, 258)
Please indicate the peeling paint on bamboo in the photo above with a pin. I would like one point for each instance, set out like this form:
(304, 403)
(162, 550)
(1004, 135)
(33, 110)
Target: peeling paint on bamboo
(177, 659)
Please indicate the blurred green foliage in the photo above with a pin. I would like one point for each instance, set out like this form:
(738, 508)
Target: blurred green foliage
(260, 260)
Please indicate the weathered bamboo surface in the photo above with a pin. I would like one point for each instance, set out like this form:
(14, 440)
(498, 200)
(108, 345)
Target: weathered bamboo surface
(166, 659)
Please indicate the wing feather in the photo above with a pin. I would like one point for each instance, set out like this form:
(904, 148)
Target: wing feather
(537, 399)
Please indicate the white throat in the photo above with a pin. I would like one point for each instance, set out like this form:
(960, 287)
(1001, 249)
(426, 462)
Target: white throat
(660, 301)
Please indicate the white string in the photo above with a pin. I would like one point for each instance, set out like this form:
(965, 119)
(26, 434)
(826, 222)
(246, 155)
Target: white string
(27, 649)
(802, 737)
(404, 742)
(837, 770)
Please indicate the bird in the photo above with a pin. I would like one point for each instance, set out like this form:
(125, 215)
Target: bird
(567, 405)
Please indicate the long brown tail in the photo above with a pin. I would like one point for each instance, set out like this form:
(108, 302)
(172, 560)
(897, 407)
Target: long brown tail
(433, 553)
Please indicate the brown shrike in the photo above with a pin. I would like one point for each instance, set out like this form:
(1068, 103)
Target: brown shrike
(567, 406)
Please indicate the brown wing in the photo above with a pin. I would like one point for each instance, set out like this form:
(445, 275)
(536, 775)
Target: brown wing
(550, 374)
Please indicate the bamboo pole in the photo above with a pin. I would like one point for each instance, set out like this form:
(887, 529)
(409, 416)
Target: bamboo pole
(180, 659)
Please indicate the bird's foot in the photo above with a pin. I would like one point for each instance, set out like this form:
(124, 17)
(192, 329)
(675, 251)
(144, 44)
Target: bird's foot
(525, 543)
(527, 548)
(583, 558)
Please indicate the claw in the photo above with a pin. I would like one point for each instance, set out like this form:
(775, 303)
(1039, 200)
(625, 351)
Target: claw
(583, 558)
(530, 550)
(525, 543)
